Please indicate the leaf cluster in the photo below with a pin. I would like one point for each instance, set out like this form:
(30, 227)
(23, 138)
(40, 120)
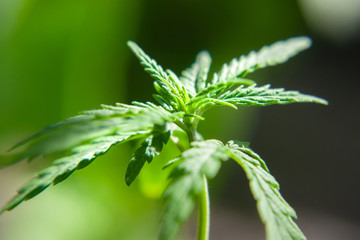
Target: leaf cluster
(77, 141)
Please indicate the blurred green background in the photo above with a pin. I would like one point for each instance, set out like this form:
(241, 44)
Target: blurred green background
(60, 57)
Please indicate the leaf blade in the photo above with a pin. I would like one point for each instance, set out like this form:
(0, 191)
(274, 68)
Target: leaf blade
(132, 121)
(194, 78)
(91, 124)
(264, 96)
(63, 168)
(167, 85)
(276, 53)
(274, 211)
(150, 65)
(203, 159)
(150, 148)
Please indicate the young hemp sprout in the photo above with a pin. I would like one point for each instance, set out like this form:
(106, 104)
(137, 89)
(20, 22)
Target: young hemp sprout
(181, 103)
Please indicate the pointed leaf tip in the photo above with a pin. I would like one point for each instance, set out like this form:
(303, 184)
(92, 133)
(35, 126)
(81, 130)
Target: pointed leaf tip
(131, 43)
(304, 40)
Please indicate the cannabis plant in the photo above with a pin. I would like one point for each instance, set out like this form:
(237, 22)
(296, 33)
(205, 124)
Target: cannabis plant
(181, 103)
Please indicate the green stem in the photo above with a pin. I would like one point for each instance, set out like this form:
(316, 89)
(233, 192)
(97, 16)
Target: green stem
(178, 144)
(204, 212)
(186, 129)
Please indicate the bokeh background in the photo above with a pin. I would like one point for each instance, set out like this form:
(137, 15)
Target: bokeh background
(60, 57)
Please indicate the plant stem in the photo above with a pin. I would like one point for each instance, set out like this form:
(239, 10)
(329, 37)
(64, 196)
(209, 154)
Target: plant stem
(204, 212)
(186, 129)
(203, 226)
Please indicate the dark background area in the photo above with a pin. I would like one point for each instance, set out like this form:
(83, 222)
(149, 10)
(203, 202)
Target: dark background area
(60, 57)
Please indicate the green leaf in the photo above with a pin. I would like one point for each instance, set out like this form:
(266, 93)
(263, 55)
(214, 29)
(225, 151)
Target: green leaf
(150, 65)
(77, 141)
(194, 78)
(149, 148)
(91, 124)
(277, 53)
(204, 158)
(206, 103)
(62, 168)
(216, 89)
(168, 86)
(89, 138)
(274, 211)
(69, 121)
(74, 130)
(263, 96)
(209, 96)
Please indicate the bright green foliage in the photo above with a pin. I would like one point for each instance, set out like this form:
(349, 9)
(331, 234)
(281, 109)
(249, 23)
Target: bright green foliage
(204, 158)
(77, 141)
(274, 211)
(172, 95)
(194, 78)
(263, 96)
(150, 148)
(64, 167)
(87, 136)
(274, 54)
